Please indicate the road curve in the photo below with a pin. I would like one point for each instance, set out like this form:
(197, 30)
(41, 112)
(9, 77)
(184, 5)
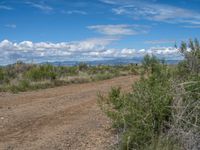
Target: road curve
(61, 118)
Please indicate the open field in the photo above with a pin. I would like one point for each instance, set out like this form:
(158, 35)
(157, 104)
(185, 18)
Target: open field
(64, 117)
(21, 77)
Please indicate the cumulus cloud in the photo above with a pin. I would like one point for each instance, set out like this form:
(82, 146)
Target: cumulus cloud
(154, 11)
(82, 46)
(114, 53)
(90, 49)
(47, 51)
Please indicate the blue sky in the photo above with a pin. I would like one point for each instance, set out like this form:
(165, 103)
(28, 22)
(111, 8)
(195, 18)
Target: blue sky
(61, 30)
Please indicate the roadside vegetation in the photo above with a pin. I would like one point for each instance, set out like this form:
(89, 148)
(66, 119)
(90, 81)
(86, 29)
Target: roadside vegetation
(162, 112)
(21, 77)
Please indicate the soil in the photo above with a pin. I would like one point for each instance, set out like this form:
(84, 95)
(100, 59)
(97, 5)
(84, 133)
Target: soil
(61, 118)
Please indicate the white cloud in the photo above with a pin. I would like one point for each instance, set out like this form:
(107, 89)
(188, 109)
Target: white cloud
(127, 52)
(46, 51)
(121, 29)
(109, 1)
(70, 12)
(40, 6)
(120, 11)
(161, 42)
(90, 49)
(4, 7)
(192, 26)
(13, 26)
(163, 50)
(154, 11)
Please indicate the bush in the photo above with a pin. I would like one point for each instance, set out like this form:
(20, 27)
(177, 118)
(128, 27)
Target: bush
(149, 63)
(104, 76)
(72, 71)
(1, 75)
(163, 110)
(22, 86)
(41, 73)
(83, 67)
(191, 53)
(185, 125)
(141, 114)
(46, 75)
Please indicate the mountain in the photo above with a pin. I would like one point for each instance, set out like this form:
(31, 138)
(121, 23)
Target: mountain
(118, 61)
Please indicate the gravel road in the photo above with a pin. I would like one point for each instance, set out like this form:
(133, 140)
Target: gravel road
(61, 118)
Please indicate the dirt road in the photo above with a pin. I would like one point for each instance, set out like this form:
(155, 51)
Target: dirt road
(61, 118)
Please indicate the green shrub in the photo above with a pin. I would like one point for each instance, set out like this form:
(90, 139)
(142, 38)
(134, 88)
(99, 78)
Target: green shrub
(191, 53)
(72, 71)
(163, 110)
(79, 80)
(82, 67)
(149, 63)
(141, 114)
(41, 73)
(22, 86)
(46, 75)
(1, 75)
(104, 76)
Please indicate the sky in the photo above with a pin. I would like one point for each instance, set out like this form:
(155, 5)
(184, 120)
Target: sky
(81, 30)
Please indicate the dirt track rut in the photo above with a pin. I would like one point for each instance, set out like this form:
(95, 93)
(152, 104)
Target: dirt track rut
(61, 118)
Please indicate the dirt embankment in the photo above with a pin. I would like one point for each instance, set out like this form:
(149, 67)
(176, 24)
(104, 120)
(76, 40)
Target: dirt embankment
(62, 118)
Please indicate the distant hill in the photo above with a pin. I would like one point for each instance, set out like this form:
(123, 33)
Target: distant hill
(118, 61)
